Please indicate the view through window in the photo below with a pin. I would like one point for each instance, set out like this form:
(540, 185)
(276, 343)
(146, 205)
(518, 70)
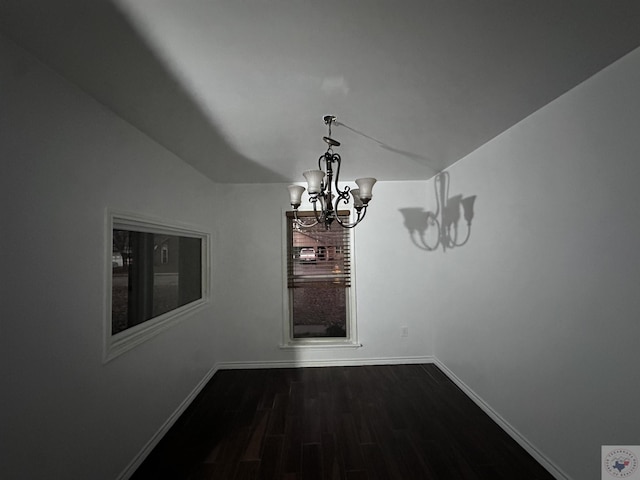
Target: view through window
(319, 277)
(152, 274)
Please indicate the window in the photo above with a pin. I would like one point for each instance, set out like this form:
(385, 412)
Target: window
(158, 275)
(319, 284)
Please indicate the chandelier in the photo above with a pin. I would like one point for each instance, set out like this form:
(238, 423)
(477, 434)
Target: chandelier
(321, 190)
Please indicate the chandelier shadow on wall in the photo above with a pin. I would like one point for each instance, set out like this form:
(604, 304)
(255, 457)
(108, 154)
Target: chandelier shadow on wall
(430, 230)
(324, 193)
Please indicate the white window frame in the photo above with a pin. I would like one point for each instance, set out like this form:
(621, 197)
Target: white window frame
(115, 345)
(288, 341)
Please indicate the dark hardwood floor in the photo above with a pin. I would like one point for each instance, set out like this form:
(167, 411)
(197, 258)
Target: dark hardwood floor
(368, 422)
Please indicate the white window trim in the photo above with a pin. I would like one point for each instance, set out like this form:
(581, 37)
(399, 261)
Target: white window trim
(288, 342)
(115, 345)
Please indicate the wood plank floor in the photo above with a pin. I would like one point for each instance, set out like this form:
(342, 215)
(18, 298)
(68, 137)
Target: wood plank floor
(353, 423)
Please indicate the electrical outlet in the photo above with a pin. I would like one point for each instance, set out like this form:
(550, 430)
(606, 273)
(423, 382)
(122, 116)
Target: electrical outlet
(404, 332)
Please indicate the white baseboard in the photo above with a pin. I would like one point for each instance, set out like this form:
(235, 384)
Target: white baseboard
(551, 467)
(151, 444)
(325, 363)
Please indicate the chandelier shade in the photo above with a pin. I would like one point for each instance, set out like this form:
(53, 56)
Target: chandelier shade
(295, 194)
(357, 201)
(321, 185)
(366, 187)
(314, 180)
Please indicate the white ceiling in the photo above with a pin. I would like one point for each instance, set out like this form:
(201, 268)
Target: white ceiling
(238, 88)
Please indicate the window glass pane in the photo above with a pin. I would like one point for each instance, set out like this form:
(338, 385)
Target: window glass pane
(121, 259)
(319, 275)
(152, 274)
(165, 275)
(319, 310)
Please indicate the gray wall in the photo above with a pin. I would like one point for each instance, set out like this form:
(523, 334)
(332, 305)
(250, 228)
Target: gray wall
(65, 159)
(539, 313)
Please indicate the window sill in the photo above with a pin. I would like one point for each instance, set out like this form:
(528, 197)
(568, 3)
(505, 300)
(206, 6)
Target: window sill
(124, 341)
(311, 344)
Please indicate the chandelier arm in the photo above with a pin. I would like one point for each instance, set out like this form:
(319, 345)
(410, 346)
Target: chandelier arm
(338, 160)
(319, 218)
(344, 195)
(300, 223)
(320, 167)
(360, 216)
(340, 194)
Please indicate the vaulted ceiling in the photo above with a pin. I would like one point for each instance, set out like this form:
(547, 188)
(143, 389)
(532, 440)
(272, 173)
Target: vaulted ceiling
(238, 88)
